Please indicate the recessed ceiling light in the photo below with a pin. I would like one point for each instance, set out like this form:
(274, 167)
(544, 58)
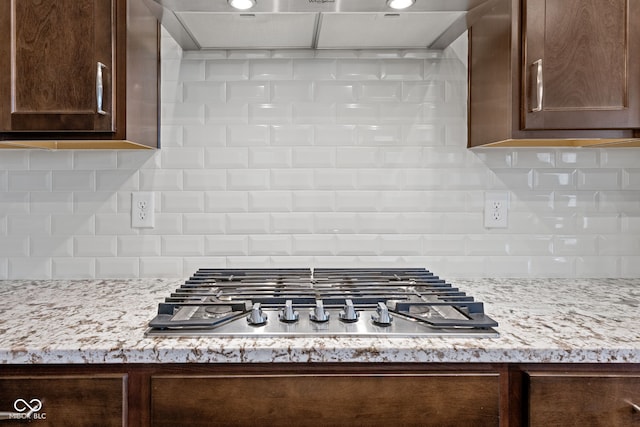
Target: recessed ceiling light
(242, 4)
(400, 4)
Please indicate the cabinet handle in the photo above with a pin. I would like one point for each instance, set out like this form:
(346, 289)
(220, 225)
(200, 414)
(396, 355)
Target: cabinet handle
(539, 85)
(99, 88)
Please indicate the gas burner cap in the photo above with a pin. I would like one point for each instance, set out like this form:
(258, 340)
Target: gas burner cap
(215, 310)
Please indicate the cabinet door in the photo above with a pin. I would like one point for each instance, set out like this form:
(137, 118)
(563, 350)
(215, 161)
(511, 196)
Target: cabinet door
(583, 400)
(326, 400)
(581, 67)
(65, 401)
(57, 62)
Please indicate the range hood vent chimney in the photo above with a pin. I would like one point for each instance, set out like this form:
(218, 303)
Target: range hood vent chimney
(317, 24)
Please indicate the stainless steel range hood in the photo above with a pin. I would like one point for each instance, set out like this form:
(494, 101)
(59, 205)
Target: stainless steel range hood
(317, 24)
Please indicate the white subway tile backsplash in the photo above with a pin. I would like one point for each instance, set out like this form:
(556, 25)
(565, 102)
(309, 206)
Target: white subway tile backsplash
(92, 246)
(162, 179)
(114, 180)
(182, 201)
(403, 69)
(93, 160)
(138, 246)
(113, 224)
(308, 113)
(292, 135)
(72, 225)
(226, 158)
(200, 135)
(14, 160)
(526, 158)
(15, 246)
(182, 245)
(29, 180)
(56, 160)
(398, 244)
(270, 157)
(335, 223)
(248, 179)
(358, 114)
(34, 224)
(292, 223)
(203, 179)
(248, 91)
(314, 157)
(198, 92)
(595, 223)
(314, 201)
(314, 244)
(73, 268)
(598, 179)
(56, 202)
(270, 201)
(335, 135)
(231, 113)
(314, 69)
(28, 268)
(117, 268)
(270, 245)
(51, 246)
(357, 201)
(631, 179)
(318, 158)
(226, 245)
(292, 179)
(291, 91)
(582, 157)
(226, 201)
(334, 91)
(247, 223)
(379, 135)
(271, 69)
(554, 179)
(161, 267)
(203, 223)
(227, 70)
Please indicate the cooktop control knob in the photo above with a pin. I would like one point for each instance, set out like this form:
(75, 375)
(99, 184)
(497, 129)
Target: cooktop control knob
(287, 314)
(256, 316)
(349, 313)
(318, 314)
(382, 316)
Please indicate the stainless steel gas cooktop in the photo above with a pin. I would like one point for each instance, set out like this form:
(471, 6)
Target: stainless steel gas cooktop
(320, 302)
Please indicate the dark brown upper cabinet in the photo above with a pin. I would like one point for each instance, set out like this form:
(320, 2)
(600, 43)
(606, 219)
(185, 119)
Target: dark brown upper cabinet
(555, 73)
(78, 74)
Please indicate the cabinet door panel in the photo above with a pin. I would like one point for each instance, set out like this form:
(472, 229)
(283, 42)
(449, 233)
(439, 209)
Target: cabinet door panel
(65, 401)
(56, 49)
(580, 64)
(583, 400)
(326, 400)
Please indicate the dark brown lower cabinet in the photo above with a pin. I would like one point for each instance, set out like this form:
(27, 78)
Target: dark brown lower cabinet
(322, 394)
(583, 399)
(327, 400)
(64, 400)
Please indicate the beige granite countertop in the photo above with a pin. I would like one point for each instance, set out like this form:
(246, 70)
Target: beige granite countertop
(103, 321)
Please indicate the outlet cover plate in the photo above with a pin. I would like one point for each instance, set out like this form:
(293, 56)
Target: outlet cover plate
(142, 209)
(496, 208)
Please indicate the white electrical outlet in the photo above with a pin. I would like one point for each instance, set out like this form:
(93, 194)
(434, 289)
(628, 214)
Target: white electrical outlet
(142, 209)
(496, 208)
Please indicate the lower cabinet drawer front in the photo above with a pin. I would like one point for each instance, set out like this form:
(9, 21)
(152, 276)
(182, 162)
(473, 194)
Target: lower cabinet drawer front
(557, 399)
(326, 400)
(65, 401)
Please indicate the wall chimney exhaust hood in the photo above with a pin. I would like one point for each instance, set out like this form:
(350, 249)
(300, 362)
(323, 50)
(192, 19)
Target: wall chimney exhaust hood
(317, 24)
